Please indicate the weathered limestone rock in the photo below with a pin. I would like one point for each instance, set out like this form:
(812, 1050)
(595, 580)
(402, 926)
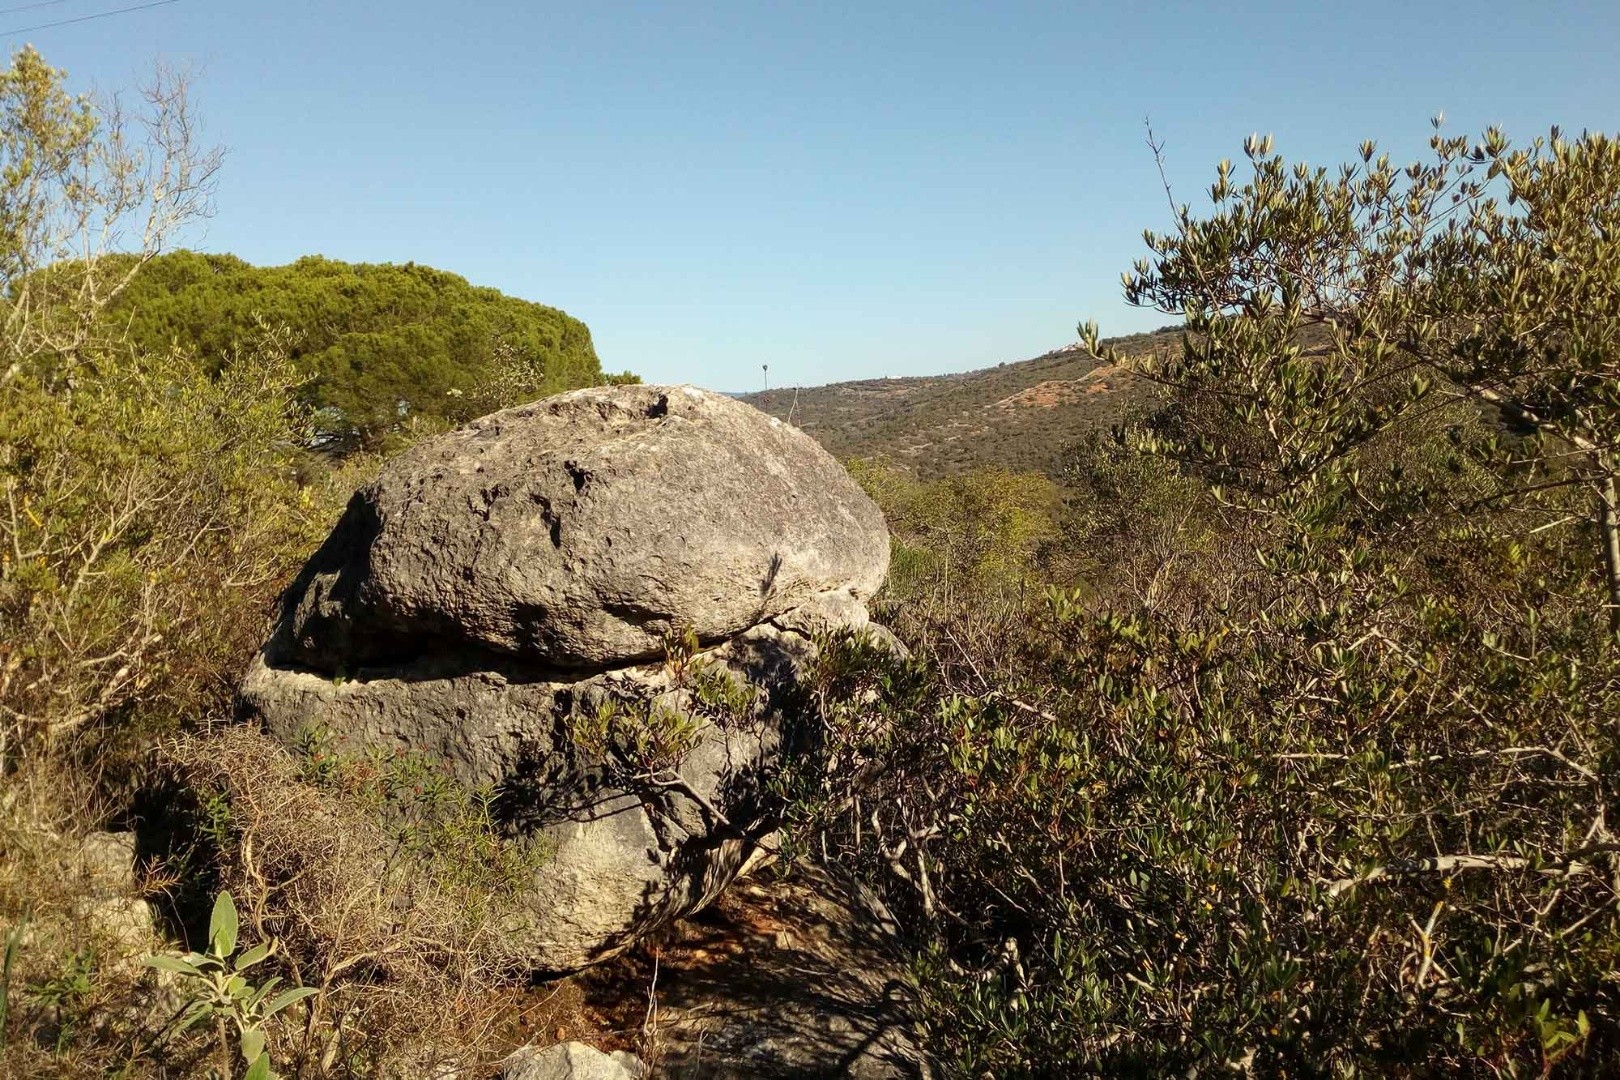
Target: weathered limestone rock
(570, 1061)
(108, 860)
(578, 531)
(120, 922)
(501, 600)
(625, 849)
(123, 926)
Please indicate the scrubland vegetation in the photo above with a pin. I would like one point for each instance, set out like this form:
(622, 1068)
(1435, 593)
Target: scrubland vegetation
(169, 437)
(1271, 734)
(1015, 416)
(1286, 747)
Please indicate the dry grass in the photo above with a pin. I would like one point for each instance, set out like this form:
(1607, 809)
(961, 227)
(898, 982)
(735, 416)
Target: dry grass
(78, 1001)
(405, 950)
(413, 974)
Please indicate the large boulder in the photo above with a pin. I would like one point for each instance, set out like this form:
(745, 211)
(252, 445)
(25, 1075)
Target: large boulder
(581, 530)
(520, 602)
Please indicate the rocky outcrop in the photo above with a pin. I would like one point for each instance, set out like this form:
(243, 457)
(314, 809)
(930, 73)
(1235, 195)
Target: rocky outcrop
(580, 530)
(599, 607)
(109, 906)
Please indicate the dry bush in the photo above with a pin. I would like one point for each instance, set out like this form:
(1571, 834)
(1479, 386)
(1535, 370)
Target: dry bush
(394, 916)
(79, 1003)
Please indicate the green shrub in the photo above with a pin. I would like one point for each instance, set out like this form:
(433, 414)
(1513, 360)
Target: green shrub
(1154, 847)
(1326, 790)
(219, 989)
(150, 514)
(988, 531)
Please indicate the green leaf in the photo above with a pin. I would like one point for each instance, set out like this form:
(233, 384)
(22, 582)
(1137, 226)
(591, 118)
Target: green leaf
(259, 1070)
(264, 990)
(199, 1012)
(252, 1044)
(165, 962)
(252, 956)
(222, 925)
(288, 997)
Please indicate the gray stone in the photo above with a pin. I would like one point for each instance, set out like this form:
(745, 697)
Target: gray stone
(621, 855)
(121, 925)
(580, 530)
(108, 860)
(476, 722)
(495, 589)
(570, 1061)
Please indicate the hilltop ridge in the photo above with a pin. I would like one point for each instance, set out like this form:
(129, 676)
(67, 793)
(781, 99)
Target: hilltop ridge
(1017, 415)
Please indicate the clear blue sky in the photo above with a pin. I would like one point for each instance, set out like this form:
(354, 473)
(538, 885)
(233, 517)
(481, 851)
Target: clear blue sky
(838, 190)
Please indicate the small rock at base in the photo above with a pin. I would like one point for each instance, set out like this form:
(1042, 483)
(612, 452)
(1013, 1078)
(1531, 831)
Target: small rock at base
(124, 927)
(570, 1061)
(108, 860)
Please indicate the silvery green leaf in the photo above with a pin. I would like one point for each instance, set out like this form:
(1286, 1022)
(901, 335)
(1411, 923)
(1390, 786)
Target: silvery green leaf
(264, 990)
(253, 956)
(177, 964)
(222, 925)
(197, 1013)
(259, 1070)
(252, 1044)
(282, 1000)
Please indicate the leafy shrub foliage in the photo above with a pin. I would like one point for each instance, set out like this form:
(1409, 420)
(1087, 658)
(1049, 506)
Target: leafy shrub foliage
(221, 990)
(137, 502)
(138, 489)
(988, 530)
(1328, 790)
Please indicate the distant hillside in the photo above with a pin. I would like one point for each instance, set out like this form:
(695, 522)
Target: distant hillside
(1014, 415)
(379, 341)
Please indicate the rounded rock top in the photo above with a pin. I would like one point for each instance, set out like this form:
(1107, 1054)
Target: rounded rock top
(581, 529)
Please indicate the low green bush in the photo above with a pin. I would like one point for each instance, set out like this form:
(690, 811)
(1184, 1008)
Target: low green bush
(1316, 778)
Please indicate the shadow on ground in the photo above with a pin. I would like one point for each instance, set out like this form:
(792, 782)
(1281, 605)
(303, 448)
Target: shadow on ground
(783, 977)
